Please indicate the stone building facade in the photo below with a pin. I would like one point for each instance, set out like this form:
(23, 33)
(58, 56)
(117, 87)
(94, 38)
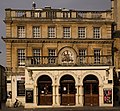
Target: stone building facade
(59, 57)
(116, 37)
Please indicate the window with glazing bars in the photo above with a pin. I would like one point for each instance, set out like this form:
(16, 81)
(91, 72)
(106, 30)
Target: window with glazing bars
(51, 54)
(81, 32)
(21, 31)
(21, 57)
(36, 56)
(82, 55)
(51, 32)
(97, 56)
(66, 32)
(96, 32)
(36, 31)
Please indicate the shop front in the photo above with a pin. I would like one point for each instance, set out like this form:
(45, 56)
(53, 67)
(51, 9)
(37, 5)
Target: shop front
(78, 87)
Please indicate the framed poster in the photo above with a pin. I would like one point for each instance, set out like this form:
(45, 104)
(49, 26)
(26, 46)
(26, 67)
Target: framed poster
(107, 96)
(21, 88)
(29, 95)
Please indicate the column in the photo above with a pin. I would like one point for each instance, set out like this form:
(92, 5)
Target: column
(101, 102)
(57, 96)
(35, 95)
(77, 95)
(54, 94)
(14, 88)
(81, 97)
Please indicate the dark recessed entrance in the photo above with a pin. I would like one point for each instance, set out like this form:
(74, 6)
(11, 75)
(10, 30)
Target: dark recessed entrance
(91, 91)
(44, 90)
(67, 90)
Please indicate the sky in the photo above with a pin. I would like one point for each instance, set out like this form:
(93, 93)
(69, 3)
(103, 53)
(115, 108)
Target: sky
(27, 4)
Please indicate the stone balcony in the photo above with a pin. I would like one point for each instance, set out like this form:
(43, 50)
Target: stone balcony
(48, 13)
(49, 61)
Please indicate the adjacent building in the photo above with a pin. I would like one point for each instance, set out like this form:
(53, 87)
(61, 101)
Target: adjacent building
(3, 89)
(59, 57)
(116, 37)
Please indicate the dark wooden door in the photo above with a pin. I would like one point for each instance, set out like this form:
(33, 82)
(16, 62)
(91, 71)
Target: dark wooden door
(67, 94)
(45, 94)
(91, 94)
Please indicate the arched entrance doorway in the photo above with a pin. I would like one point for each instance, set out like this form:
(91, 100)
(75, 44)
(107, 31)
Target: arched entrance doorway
(44, 90)
(91, 90)
(67, 90)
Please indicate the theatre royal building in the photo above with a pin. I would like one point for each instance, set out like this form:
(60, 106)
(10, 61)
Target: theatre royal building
(59, 57)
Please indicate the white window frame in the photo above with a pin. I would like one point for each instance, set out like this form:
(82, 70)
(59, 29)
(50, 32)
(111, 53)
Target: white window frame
(66, 32)
(96, 32)
(51, 32)
(81, 32)
(51, 54)
(97, 53)
(21, 31)
(36, 56)
(36, 52)
(36, 31)
(82, 55)
(21, 57)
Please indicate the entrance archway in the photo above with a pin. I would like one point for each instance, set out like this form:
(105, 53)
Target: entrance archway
(44, 90)
(91, 90)
(67, 90)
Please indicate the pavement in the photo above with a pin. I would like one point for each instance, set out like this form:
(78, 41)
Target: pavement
(65, 109)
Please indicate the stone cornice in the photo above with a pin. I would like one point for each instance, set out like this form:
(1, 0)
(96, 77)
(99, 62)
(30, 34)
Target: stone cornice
(59, 20)
(56, 40)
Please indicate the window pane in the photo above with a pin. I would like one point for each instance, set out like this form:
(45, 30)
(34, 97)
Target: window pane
(21, 57)
(36, 56)
(81, 32)
(51, 54)
(45, 88)
(64, 88)
(36, 31)
(36, 52)
(97, 56)
(82, 54)
(66, 32)
(51, 32)
(96, 32)
(21, 31)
